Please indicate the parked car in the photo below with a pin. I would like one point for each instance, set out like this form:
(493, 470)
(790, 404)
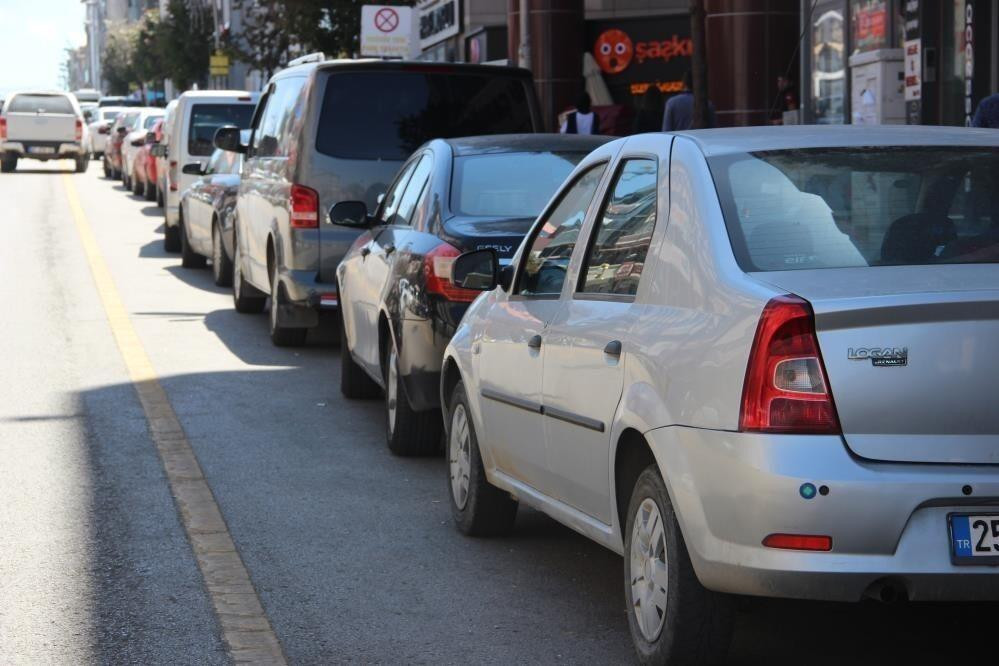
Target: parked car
(118, 101)
(42, 126)
(133, 143)
(310, 150)
(99, 130)
(189, 131)
(87, 95)
(144, 171)
(206, 212)
(788, 391)
(122, 125)
(159, 153)
(398, 306)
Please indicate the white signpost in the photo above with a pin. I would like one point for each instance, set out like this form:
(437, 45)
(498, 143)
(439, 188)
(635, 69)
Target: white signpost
(388, 32)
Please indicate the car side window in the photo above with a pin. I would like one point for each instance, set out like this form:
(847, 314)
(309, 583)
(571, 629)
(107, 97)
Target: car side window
(621, 237)
(270, 137)
(547, 259)
(410, 197)
(392, 198)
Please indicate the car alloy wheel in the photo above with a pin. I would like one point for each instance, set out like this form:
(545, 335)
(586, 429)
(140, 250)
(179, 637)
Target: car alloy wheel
(459, 455)
(392, 389)
(649, 567)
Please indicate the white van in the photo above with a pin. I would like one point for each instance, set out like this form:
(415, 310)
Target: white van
(189, 131)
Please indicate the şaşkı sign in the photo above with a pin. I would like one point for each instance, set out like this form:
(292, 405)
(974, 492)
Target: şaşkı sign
(387, 32)
(634, 54)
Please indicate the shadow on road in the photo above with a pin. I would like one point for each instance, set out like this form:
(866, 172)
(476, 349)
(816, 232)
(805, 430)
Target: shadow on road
(28, 172)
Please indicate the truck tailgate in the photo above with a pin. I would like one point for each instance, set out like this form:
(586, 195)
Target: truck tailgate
(41, 127)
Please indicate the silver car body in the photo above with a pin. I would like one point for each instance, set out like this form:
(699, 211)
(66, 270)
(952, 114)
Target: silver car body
(104, 116)
(552, 424)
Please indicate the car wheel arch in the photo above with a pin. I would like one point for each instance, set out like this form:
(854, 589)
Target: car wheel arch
(632, 456)
(450, 376)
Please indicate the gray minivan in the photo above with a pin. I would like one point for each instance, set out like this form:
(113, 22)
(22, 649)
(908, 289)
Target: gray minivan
(326, 131)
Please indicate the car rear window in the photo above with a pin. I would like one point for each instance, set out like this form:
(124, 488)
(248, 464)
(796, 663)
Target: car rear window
(388, 115)
(509, 184)
(109, 115)
(150, 121)
(847, 207)
(206, 118)
(40, 104)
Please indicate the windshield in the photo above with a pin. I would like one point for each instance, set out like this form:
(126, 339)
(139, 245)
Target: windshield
(109, 115)
(388, 115)
(150, 121)
(844, 207)
(508, 184)
(40, 104)
(206, 118)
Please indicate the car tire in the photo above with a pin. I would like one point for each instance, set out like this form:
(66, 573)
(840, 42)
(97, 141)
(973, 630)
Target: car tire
(106, 167)
(81, 164)
(137, 187)
(478, 507)
(8, 164)
(188, 257)
(126, 181)
(148, 191)
(243, 298)
(171, 238)
(282, 336)
(354, 381)
(408, 432)
(672, 617)
(221, 264)
(159, 196)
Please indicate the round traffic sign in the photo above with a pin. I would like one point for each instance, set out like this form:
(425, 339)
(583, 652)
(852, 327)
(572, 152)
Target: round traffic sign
(386, 19)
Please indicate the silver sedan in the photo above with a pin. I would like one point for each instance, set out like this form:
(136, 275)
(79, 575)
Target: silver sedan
(754, 361)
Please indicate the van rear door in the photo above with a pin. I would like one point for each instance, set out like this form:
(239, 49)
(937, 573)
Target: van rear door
(374, 115)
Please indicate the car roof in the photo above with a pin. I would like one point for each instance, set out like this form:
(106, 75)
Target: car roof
(397, 65)
(211, 94)
(732, 140)
(524, 143)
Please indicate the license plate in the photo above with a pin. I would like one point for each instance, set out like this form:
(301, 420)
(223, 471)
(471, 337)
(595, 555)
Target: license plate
(41, 150)
(974, 538)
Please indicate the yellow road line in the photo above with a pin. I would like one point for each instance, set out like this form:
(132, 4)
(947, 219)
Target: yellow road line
(245, 626)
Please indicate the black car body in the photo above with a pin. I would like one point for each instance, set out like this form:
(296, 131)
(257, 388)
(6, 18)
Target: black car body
(398, 306)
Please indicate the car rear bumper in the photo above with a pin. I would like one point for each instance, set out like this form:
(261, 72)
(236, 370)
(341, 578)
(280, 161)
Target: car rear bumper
(888, 522)
(307, 298)
(30, 149)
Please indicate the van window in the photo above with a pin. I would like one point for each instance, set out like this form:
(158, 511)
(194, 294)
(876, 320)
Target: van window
(272, 138)
(388, 115)
(40, 104)
(206, 118)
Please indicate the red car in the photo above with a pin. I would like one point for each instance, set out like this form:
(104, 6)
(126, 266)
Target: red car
(144, 170)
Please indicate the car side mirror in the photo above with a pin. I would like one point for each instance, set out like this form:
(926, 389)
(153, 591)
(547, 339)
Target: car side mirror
(138, 142)
(151, 137)
(193, 169)
(122, 131)
(477, 270)
(506, 277)
(349, 214)
(227, 138)
(158, 150)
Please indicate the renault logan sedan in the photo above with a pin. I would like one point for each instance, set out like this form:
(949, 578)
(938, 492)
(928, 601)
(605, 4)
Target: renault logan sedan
(753, 361)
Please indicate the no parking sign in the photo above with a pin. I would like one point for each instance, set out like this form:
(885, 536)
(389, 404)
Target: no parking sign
(388, 32)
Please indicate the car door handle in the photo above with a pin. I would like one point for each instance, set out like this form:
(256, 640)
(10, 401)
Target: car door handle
(535, 342)
(365, 251)
(613, 348)
(389, 249)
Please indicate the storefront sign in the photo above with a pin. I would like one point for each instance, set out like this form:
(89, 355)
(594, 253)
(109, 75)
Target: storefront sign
(636, 54)
(870, 24)
(387, 32)
(913, 64)
(969, 61)
(439, 19)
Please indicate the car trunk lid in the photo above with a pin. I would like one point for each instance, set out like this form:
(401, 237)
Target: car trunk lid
(911, 357)
(502, 234)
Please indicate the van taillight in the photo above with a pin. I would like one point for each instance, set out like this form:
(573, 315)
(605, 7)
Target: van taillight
(304, 207)
(3, 128)
(79, 130)
(437, 268)
(786, 389)
(172, 175)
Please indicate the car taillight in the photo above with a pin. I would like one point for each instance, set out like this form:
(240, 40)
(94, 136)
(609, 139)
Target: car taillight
(304, 207)
(437, 266)
(3, 128)
(79, 130)
(818, 542)
(786, 389)
(172, 175)
(103, 129)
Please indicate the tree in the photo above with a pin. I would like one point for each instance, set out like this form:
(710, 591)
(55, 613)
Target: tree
(185, 38)
(118, 59)
(266, 36)
(147, 59)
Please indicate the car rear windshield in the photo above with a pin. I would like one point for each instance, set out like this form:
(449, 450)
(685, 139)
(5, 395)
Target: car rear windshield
(40, 104)
(847, 207)
(109, 115)
(388, 115)
(508, 184)
(206, 118)
(150, 121)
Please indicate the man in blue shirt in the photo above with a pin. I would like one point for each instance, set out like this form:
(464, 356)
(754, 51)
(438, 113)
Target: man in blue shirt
(679, 113)
(987, 114)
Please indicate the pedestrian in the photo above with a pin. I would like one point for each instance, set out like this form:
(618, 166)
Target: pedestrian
(987, 113)
(583, 120)
(679, 114)
(650, 111)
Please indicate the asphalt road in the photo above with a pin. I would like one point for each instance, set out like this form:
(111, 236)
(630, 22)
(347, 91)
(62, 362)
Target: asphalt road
(351, 550)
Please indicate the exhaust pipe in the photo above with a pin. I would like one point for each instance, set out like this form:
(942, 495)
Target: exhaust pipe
(887, 591)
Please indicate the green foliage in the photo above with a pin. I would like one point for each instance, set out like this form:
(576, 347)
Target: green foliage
(185, 38)
(118, 59)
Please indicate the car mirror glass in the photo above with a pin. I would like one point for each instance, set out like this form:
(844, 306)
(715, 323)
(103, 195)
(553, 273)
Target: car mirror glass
(349, 214)
(476, 270)
(193, 169)
(506, 277)
(227, 138)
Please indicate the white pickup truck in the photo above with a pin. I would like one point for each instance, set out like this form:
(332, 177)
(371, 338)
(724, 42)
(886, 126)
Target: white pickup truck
(41, 126)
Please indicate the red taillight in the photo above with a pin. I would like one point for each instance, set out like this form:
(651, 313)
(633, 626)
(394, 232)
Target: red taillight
(3, 128)
(786, 388)
(304, 207)
(437, 265)
(799, 542)
(172, 175)
(79, 130)
(103, 129)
